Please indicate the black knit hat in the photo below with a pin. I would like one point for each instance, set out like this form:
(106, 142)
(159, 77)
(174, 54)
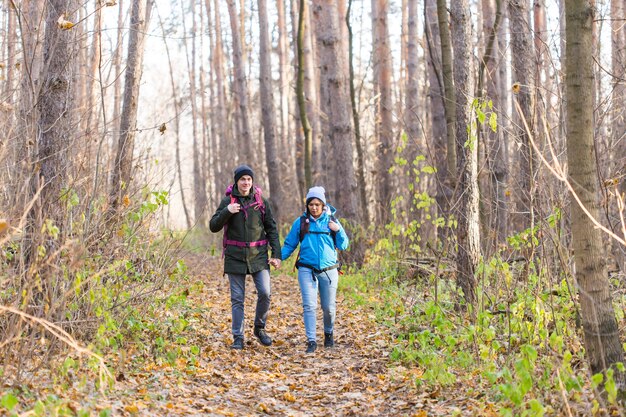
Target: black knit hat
(242, 170)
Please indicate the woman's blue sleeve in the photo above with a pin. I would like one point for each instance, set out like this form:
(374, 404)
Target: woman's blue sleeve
(342, 240)
(292, 240)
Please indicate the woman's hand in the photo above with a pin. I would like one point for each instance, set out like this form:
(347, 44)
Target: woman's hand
(275, 262)
(333, 226)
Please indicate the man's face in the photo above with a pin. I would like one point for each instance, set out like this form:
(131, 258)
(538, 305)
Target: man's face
(244, 184)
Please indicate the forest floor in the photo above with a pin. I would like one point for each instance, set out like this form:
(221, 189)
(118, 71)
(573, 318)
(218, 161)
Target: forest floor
(355, 378)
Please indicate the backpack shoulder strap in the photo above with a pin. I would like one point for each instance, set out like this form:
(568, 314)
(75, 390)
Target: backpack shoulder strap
(304, 226)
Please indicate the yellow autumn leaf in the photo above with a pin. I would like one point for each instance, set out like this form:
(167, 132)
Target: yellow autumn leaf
(64, 24)
(4, 225)
(131, 408)
(126, 200)
(516, 88)
(110, 3)
(289, 397)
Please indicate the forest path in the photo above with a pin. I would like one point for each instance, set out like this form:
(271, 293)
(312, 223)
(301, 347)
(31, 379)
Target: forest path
(352, 379)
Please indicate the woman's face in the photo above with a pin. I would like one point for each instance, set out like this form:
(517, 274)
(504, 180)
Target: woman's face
(316, 207)
(244, 184)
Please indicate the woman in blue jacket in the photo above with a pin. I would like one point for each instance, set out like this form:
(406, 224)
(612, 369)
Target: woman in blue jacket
(319, 234)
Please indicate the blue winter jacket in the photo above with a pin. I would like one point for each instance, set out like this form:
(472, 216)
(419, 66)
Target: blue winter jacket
(316, 249)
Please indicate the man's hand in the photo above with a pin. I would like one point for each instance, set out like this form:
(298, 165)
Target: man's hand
(234, 207)
(275, 262)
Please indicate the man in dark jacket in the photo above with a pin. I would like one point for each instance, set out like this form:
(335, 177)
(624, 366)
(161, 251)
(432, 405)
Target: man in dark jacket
(249, 228)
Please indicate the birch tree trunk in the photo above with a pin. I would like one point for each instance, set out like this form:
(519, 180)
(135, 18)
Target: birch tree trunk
(335, 106)
(122, 169)
(268, 113)
(602, 342)
(468, 239)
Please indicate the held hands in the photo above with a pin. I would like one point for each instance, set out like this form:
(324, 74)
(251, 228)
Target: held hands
(234, 207)
(333, 226)
(275, 262)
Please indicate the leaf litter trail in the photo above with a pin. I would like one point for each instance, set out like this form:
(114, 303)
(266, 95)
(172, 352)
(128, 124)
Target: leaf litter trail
(352, 379)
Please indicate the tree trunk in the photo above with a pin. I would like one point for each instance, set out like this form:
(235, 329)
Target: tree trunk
(449, 92)
(412, 111)
(224, 145)
(602, 342)
(384, 109)
(284, 80)
(307, 150)
(468, 239)
(358, 140)
(493, 199)
(94, 61)
(117, 64)
(335, 105)
(30, 87)
(618, 65)
(199, 181)
(521, 43)
(437, 110)
(56, 125)
(268, 113)
(175, 101)
(122, 169)
(241, 89)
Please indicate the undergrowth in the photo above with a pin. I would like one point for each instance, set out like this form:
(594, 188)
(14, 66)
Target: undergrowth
(522, 344)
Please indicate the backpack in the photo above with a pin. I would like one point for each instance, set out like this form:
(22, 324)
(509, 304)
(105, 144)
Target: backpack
(304, 228)
(257, 204)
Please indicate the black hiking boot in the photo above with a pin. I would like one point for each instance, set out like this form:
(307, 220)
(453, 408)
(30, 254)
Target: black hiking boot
(237, 343)
(260, 333)
(328, 340)
(311, 346)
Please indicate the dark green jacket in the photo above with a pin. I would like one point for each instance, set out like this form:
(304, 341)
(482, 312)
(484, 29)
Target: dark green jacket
(254, 227)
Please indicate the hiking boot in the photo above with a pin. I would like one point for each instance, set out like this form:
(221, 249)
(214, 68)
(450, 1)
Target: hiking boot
(237, 343)
(260, 333)
(311, 346)
(328, 340)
